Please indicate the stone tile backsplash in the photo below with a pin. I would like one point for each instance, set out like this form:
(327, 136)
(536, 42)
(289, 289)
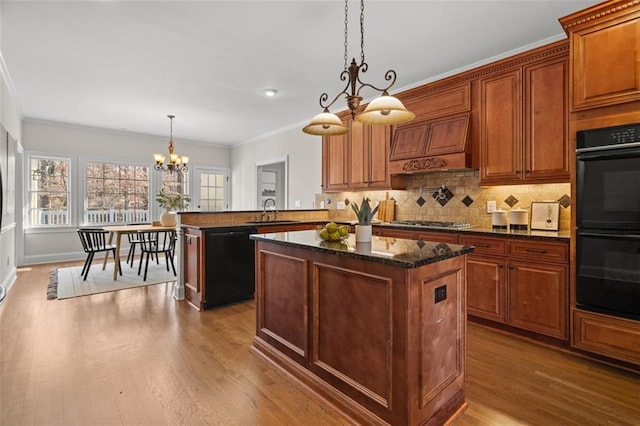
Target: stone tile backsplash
(454, 196)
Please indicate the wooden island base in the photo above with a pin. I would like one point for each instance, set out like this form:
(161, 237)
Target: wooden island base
(361, 327)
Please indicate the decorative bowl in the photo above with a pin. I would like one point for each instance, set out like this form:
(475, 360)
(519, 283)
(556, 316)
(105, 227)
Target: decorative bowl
(332, 232)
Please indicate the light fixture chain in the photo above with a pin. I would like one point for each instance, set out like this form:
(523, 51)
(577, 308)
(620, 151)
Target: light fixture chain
(346, 32)
(361, 32)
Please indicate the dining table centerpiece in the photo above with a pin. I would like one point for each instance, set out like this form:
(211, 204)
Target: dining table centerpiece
(171, 201)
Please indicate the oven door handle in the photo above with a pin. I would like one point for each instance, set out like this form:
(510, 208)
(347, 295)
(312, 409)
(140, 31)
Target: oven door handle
(606, 235)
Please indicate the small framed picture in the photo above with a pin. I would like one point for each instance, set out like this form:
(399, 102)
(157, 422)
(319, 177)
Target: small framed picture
(545, 215)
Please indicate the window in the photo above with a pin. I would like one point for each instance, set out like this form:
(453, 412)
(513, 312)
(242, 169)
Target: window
(48, 191)
(116, 193)
(175, 182)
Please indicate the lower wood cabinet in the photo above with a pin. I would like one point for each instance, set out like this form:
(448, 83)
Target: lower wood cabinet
(518, 282)
(613, 337)
(193, 244)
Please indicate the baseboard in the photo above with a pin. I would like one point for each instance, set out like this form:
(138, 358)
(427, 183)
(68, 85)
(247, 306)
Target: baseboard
(9, 281)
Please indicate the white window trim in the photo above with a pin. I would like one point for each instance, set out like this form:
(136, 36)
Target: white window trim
(71, 200)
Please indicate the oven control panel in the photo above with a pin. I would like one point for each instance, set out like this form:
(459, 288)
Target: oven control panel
(618, 135)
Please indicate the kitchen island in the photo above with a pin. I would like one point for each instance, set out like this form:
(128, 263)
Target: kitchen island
(378, 330)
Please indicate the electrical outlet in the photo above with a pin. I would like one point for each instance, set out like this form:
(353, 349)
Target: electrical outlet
(297, 204)
(491, 206)
(440, 294)
(340, 205)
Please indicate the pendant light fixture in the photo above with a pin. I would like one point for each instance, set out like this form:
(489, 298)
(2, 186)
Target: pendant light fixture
(385, 109)
(176, 162)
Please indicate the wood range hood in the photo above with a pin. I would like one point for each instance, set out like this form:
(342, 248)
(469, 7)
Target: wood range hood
(432, 145)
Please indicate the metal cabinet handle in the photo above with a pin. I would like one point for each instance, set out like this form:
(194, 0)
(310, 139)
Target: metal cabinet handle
(512, 267)
(530, 250)
(500, 265)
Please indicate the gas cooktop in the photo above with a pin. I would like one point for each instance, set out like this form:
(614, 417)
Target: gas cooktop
(432, 223)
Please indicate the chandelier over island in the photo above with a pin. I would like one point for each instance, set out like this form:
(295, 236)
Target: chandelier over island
(385, 109)
(176, 162)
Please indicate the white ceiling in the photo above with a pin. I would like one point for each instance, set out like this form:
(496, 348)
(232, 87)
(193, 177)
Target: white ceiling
(125, 65)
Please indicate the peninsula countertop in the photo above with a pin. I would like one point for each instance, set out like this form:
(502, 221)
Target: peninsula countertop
(386, 250)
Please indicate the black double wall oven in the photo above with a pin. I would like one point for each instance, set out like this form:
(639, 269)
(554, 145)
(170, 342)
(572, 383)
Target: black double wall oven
(608, 221)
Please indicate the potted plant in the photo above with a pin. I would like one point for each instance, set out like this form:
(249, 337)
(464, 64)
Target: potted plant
(364, 213)
(170, 200)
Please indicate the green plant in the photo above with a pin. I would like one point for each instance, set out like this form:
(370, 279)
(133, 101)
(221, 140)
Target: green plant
(172, 200)
(364, 213)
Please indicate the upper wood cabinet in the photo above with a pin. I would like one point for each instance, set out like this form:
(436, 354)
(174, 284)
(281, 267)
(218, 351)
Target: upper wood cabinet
(442, 136)
(357, 160)
(369, 156)
(334, 163)
(605, 54)
(524, 120)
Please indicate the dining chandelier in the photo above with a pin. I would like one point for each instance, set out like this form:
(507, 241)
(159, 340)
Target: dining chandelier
(385, 109)
(176, 162)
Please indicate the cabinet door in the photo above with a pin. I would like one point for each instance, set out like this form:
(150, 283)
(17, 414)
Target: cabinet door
(358, 159)
(501, 128)
(369, 156)
(193, 267)
(334, 163)
(538, 297)
(606, 61)
(379, 138)
(486, 287)
(546, 157)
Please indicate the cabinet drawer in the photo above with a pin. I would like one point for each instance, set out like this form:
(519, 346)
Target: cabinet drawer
(613, 337)
(539, 250)
(485, 245)
(399, 233)
(440, 237)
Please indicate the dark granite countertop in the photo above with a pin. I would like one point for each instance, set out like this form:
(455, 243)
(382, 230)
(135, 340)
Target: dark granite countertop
(391, 251)
(479, 230)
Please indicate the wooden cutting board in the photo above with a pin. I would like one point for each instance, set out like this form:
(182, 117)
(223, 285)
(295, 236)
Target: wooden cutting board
(386, 209)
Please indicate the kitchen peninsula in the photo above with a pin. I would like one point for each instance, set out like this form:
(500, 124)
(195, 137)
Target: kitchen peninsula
(377, 329)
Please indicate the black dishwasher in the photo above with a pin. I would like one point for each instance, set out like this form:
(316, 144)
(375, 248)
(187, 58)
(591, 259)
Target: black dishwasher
(229, 265)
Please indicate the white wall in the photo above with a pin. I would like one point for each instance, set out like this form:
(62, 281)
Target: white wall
(10, 116)
(305, 167)
(52, 244)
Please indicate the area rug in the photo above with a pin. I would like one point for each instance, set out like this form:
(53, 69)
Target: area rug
(67, 282)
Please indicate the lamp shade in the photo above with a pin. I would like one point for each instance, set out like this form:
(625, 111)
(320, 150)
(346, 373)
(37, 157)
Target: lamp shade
(385, 109)
(325, 123)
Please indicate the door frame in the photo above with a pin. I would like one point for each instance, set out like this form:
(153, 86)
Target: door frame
(195, 184)
(285, 179)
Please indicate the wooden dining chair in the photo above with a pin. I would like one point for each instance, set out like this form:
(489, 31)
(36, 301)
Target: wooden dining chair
(155, 243)
(134, 240)
(94, 240)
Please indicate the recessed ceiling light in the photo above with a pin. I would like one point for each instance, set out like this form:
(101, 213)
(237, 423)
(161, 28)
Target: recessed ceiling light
(270, 92)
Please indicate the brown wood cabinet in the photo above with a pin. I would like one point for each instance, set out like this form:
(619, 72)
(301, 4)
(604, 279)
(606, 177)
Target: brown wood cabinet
(613, 337)
(524, 120)
(605, 62)
(193, 244)
(369, 337)
(486, 277)
(334, 163)
(357, 160)
(518, 282)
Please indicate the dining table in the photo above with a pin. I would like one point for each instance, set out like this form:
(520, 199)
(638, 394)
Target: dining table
(119, 230)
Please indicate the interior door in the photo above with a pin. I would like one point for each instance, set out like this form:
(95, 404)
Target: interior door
(211, 190)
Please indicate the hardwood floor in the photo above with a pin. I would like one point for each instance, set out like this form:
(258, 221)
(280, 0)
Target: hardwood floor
(137, 356)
